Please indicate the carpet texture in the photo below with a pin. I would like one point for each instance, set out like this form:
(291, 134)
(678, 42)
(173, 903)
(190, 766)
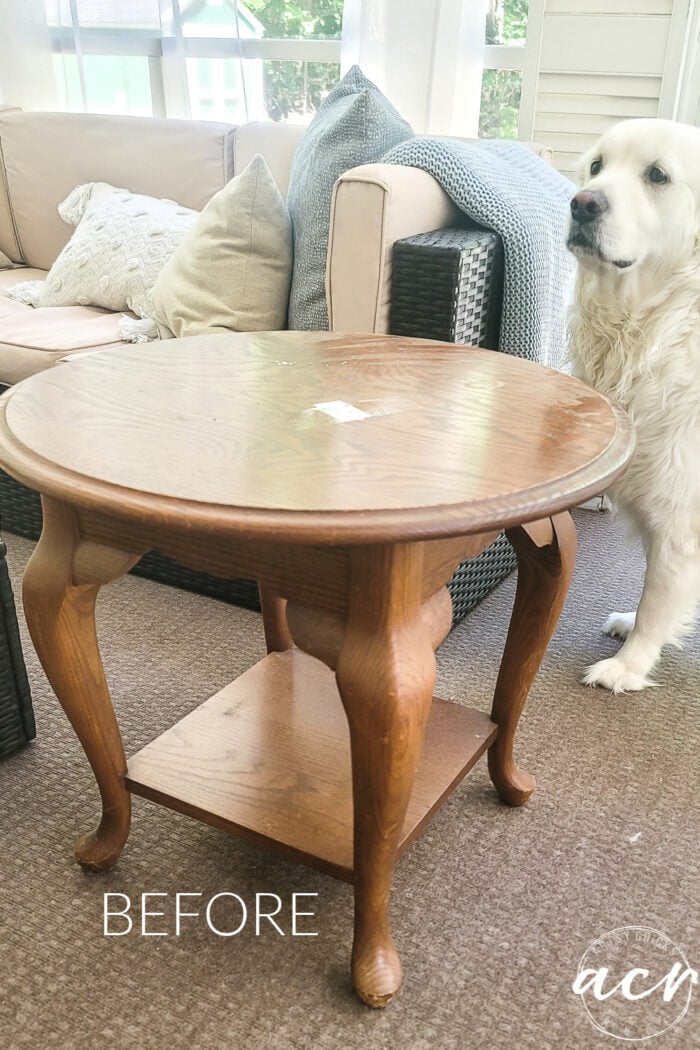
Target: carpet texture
(492, 907)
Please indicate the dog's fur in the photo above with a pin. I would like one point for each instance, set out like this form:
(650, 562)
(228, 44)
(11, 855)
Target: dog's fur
(635, 336)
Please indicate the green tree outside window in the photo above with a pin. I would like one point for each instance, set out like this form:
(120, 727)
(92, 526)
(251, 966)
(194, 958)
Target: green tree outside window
(506, 24)
(298, 88)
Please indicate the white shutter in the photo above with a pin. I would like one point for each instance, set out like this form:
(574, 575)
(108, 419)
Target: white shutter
(602, 61)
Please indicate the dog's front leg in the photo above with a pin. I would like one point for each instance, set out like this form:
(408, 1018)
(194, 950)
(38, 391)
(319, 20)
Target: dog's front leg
(665, 614)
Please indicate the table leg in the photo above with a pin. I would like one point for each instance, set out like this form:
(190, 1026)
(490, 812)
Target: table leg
(274, 612)
(386, 676)
(546, 552)
(60, 586)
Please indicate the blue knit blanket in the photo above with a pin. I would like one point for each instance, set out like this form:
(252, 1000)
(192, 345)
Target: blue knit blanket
(507, 188)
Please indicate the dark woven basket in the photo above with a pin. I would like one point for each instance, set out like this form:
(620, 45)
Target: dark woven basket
(448, 285)
(477, 577)
(16, 715)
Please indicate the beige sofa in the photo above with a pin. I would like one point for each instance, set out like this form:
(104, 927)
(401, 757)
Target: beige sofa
(43, 156)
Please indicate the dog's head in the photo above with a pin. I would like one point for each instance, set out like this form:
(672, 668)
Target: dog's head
(639, 197)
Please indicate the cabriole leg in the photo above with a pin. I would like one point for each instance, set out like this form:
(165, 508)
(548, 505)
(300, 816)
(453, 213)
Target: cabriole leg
(386, 676)
(546, 552)
(59, 591)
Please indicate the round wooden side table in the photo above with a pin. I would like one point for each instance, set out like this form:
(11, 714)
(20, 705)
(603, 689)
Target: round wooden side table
(349, 475)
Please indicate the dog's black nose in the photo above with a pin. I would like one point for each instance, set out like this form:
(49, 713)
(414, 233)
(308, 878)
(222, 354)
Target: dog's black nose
(587, 205)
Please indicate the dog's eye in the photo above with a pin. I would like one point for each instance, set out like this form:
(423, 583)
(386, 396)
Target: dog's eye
(657, 175)
(596, 166)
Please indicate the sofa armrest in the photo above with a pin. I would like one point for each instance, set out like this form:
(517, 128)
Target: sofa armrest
(373, 206)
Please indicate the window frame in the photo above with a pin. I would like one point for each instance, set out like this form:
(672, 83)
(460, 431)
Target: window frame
(525, 59)
(167, 54)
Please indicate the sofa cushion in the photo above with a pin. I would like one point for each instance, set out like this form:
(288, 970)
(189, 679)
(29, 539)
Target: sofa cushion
(10, 307)
(8, 235)
(36, 339)
(232, 269)
(46, 155)
(32, 340)
(354, 125)
(19, 273)
(275, 141)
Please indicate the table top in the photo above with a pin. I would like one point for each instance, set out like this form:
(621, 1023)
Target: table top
(313, 436)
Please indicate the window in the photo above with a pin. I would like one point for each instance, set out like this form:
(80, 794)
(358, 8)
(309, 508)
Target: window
(109, 84)
(295, 89)
(506, 22)
(211, 59)
(234, 61)
(510, 67)
(107, 14)
(500, 103)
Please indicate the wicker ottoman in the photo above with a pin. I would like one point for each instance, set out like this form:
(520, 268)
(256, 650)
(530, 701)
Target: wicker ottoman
(16, 714)
(448, 285)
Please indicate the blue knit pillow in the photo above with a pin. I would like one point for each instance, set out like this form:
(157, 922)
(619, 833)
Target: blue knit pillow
(355, 124)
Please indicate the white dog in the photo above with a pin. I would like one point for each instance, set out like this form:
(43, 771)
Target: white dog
(635, 230)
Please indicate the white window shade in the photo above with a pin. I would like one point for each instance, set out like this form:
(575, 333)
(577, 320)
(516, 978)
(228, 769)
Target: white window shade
(26, 67)
(427, 57)
(222, 59)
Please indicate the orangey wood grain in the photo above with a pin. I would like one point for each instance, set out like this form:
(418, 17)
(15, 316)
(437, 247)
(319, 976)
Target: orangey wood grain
(315, 575)
(59, 591)
(322, 633)
(268, 757)
(546, 555)
(274, 613)
(386, 675)
(326, 437)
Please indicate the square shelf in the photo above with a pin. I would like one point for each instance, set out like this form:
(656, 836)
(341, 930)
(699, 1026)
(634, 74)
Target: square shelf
(268, 759)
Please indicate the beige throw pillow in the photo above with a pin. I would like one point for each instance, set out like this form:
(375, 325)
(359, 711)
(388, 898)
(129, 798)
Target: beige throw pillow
(233, 268)
(121, 242)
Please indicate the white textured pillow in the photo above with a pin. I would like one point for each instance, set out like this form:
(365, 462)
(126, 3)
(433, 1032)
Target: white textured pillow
(121, 243)
(233, 268)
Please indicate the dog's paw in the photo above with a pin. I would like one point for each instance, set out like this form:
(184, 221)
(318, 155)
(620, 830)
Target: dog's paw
(619, 625)
(613, 674)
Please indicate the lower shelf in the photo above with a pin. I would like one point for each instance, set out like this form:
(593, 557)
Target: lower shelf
(268, 759)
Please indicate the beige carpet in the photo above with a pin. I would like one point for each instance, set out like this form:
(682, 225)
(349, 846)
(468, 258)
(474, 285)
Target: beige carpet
(492, 908)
